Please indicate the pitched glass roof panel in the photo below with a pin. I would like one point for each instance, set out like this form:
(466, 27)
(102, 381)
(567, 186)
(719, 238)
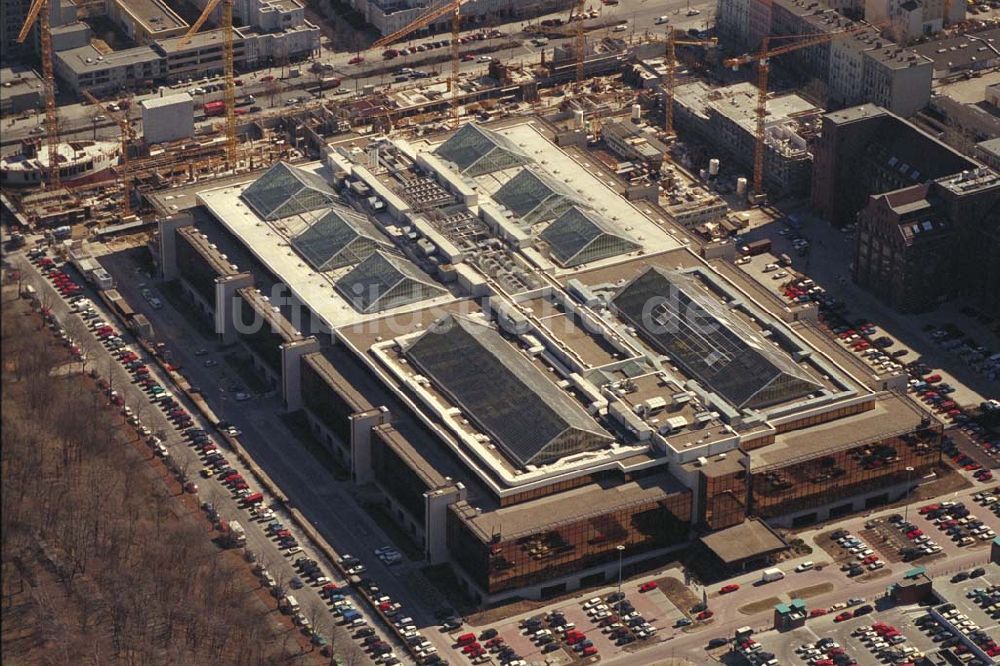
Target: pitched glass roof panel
(476, 151)
(510, 399)
(535, 197)
(381, 282)
(579, 236)
(286, 190)
(339, 238)
(711, 345)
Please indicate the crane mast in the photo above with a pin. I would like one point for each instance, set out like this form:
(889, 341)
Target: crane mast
(39, 11)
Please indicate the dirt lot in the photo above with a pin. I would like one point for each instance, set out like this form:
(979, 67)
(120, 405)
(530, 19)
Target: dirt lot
(811, 591)
(759, 606)
(679, 594)
(105, 559)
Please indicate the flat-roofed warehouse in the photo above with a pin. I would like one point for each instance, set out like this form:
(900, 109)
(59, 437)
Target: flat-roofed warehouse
(713, 347)
(508, 397)
(474, 347)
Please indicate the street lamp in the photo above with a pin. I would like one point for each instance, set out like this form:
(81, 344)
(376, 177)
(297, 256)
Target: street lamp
(906, 496)
(621, 550)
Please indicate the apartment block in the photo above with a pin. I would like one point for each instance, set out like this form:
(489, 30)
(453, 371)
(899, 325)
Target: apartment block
(857, 66)
(909, 239)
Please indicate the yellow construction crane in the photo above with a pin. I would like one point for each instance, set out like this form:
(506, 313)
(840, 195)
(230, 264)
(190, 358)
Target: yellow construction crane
(670, 64)
(40, 10)
(761, 58)
(230, 85)
(581, 39)
(429, 17)
(127, 138)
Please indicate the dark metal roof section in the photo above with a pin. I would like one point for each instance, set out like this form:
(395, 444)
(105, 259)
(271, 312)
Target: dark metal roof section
(509, 399)
(722, 352)
(339, 238)
(580, 236)
(534, 196)
(285, 190)
(476, 151)
(382, 282)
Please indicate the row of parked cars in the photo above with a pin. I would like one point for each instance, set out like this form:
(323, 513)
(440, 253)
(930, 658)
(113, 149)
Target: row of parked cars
(615, 616)
(982, 360)
(980, 437)
(964, 460)
(862, 557)
(825, 652)
(989, 500)
(482, 35)
(920, 544)
(951, 626)
(956, 521)
(887, 644)
(987, 598)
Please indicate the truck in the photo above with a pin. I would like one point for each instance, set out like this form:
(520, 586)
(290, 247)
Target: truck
(289, 604)
(771, 575)
(756, 247)
(236, 535)
(214, 108)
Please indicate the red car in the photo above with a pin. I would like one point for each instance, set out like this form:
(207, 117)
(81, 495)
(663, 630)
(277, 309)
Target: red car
(589, 651)
(726, 589)
(914, 534)
(816, 612)
(927, 509)
(471, 647)
(574, 638)
(843, 616)
(704, 615)
(947, 404)
(986, 476)
(870, 559)
(932, 379)
(356, 60)
(646, 587)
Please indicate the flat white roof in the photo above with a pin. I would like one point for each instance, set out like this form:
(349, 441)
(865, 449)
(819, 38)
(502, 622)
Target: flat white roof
(586, 178)
(166, 100)
(268, 241)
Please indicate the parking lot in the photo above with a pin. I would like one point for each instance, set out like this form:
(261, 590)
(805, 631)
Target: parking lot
(133, 382)
(889, 631)
(581, 631)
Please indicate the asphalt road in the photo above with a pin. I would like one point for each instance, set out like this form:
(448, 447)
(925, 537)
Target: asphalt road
(268, 553)
(329, 504)
(77, 121)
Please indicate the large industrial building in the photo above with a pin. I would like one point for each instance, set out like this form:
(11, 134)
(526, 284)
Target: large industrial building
(530, 369)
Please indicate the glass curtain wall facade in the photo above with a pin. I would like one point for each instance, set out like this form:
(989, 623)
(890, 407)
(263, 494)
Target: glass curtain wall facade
(798, 485)
(325, 403)
(196, 271)
(724, 499)
(263, 341)
(398, 479)
(559, 550)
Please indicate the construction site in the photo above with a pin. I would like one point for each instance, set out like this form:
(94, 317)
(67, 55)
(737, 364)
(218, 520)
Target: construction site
(595, 75)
